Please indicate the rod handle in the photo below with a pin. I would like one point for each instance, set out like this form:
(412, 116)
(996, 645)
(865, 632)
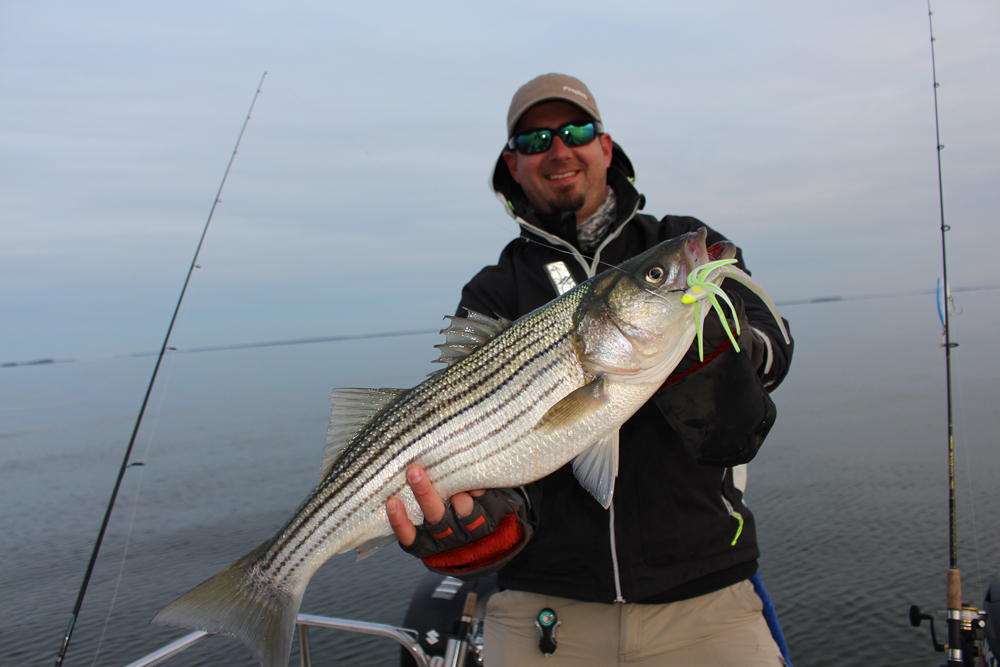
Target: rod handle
(954, 589)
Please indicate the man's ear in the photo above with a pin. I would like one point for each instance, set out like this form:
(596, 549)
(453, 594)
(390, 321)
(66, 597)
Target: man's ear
(606, 147)
(510, 157)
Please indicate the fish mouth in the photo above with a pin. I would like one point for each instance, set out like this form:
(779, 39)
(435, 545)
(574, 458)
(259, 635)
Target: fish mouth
(696, 252)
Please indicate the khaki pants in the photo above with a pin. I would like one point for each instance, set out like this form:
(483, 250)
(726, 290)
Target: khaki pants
(714, 630)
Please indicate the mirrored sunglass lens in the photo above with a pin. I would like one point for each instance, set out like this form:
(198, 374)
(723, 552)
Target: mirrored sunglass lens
(577, 135)
(534, 142)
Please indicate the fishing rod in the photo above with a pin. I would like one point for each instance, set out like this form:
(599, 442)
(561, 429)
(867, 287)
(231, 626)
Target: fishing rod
(964, 645)
(145, 401)
(954, 581)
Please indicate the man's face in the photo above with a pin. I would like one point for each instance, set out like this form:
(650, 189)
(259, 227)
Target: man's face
(562, 179)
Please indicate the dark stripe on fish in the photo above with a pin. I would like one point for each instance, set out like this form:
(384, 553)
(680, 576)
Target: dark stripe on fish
(420, 412)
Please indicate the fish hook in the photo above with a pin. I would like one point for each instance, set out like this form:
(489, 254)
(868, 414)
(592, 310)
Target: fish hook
(699, 290)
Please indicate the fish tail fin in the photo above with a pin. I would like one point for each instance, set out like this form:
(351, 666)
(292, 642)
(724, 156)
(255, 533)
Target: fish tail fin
(260, 616)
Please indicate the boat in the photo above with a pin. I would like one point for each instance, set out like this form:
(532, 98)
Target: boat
(443, 627)
(440, 642)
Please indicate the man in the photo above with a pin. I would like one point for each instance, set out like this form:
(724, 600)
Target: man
(662, 576)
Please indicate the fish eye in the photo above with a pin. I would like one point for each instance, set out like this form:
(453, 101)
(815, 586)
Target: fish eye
(654, 275)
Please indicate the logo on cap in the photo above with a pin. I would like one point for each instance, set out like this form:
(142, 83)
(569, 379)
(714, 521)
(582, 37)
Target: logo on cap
(577, 92)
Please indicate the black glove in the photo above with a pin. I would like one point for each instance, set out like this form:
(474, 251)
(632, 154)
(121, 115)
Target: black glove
(714, 337)
(481, 543)
(719, 406)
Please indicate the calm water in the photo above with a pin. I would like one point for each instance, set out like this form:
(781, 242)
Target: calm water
(850, 490)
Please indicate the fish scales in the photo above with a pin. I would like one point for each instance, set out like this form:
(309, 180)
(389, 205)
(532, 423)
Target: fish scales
(554, 386)
(437, 424)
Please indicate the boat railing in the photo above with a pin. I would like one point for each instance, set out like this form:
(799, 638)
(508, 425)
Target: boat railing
(405, 637)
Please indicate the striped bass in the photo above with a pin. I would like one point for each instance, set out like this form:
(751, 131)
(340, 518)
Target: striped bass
(517, 402)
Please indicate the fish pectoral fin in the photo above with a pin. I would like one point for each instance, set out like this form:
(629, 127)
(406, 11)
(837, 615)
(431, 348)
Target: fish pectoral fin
(350, 411)
(575, 407)
(597, 468)
(368, 547)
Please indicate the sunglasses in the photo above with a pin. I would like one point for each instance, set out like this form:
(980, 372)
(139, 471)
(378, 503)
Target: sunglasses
(540, 140)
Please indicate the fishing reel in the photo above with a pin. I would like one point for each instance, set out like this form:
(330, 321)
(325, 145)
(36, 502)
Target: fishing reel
(976, 650)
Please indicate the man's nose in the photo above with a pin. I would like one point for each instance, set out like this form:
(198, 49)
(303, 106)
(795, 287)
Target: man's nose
(559, 150)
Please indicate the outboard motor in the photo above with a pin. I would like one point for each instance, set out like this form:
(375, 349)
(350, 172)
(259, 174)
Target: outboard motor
(447, 615)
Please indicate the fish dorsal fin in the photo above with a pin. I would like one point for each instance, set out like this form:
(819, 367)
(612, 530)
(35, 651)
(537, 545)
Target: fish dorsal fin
(465, 335)
(575, 407)
(597, 468)
(350, 411)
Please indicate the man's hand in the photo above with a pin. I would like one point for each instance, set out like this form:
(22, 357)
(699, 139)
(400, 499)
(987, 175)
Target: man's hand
(430, 503)
(719, 406)
(714, 337)
(478, 534)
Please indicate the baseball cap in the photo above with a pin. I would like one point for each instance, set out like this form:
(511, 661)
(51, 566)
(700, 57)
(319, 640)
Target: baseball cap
(550, 87)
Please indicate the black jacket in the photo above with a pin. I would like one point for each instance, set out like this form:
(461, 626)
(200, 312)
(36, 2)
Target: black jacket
(674, 518)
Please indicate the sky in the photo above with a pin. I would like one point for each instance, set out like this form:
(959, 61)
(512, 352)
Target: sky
(358, 201)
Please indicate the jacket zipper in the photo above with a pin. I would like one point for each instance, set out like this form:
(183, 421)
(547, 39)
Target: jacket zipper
(589, 268)
(592, 271)
(611, 515)
(614, 555)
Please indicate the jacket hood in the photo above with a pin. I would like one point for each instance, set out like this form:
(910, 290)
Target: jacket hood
(559, 229)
